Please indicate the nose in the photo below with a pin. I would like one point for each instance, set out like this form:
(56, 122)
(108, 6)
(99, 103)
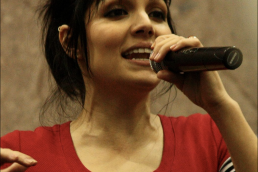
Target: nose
(142, 25)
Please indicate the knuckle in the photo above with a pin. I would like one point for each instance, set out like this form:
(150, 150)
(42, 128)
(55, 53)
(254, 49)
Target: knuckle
(162, 37)
(159, 45)
(197, 42)
(182, 42)
(15, 152)
(159, 38)
(181, 38)
(164, 48)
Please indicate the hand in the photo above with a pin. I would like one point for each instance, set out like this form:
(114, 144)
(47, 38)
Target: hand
(20, 162)
(205, 89)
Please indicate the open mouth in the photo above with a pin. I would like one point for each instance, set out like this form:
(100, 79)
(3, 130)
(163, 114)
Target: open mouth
(138, 54)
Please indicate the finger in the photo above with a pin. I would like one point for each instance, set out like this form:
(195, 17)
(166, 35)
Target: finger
(163, 46)
(165, 49)
(177, 79)
(15, 167)
(160, 38)
(156, 47)
(8, 155)
(187, 42)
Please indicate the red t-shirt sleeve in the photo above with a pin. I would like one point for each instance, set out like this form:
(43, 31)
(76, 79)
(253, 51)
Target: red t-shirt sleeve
(223, 153)
(11, 140)
(199, 143)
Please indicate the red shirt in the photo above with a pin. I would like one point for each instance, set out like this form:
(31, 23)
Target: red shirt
(191, 143)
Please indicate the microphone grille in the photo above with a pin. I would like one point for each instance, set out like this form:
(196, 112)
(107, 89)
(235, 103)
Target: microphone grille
(156, 67)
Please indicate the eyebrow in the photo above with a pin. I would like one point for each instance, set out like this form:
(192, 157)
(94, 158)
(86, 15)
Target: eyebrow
(166, 1)
(121, 1)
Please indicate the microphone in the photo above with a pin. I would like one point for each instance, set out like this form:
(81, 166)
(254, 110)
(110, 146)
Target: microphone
(200, 59)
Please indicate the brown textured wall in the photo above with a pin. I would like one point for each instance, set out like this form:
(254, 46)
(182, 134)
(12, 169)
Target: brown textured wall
(24, 84)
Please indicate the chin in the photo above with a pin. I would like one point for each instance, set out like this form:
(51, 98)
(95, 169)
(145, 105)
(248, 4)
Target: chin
(147, 84)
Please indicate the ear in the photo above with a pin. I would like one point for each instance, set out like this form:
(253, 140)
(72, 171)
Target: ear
(63, 31)
(64, 37)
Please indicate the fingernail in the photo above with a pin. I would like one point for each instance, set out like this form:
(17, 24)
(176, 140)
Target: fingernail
(157, 56)
(173, 47)
(152, 55)
(152, 46)
(30, 161)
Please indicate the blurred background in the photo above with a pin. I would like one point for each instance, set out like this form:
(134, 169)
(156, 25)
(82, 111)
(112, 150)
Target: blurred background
(24, 74)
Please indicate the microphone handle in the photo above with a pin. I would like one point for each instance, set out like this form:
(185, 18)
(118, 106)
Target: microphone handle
(200, 59)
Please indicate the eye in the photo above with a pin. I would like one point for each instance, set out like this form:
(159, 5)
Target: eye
(158, 15)
(116, 13)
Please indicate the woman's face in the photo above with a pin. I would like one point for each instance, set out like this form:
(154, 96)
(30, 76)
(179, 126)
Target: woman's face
(119, 35)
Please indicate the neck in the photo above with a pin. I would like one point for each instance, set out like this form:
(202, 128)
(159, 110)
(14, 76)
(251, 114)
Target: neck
(116, 116)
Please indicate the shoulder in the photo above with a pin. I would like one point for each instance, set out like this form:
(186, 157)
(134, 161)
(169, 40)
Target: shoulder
(197, 135)
(188, 119)
(43, 144)
(193, 122)
(198, 126)
(17, 139)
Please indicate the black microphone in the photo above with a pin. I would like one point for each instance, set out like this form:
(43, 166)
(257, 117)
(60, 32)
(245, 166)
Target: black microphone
(200, 59)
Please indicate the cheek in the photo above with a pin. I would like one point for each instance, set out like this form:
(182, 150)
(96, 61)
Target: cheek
(163, 30)
(103, 38)
(103, 46)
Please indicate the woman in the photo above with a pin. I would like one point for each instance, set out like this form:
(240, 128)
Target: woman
(98, 52)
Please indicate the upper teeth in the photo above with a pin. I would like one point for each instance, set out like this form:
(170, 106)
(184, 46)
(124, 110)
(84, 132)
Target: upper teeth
(139, 50)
